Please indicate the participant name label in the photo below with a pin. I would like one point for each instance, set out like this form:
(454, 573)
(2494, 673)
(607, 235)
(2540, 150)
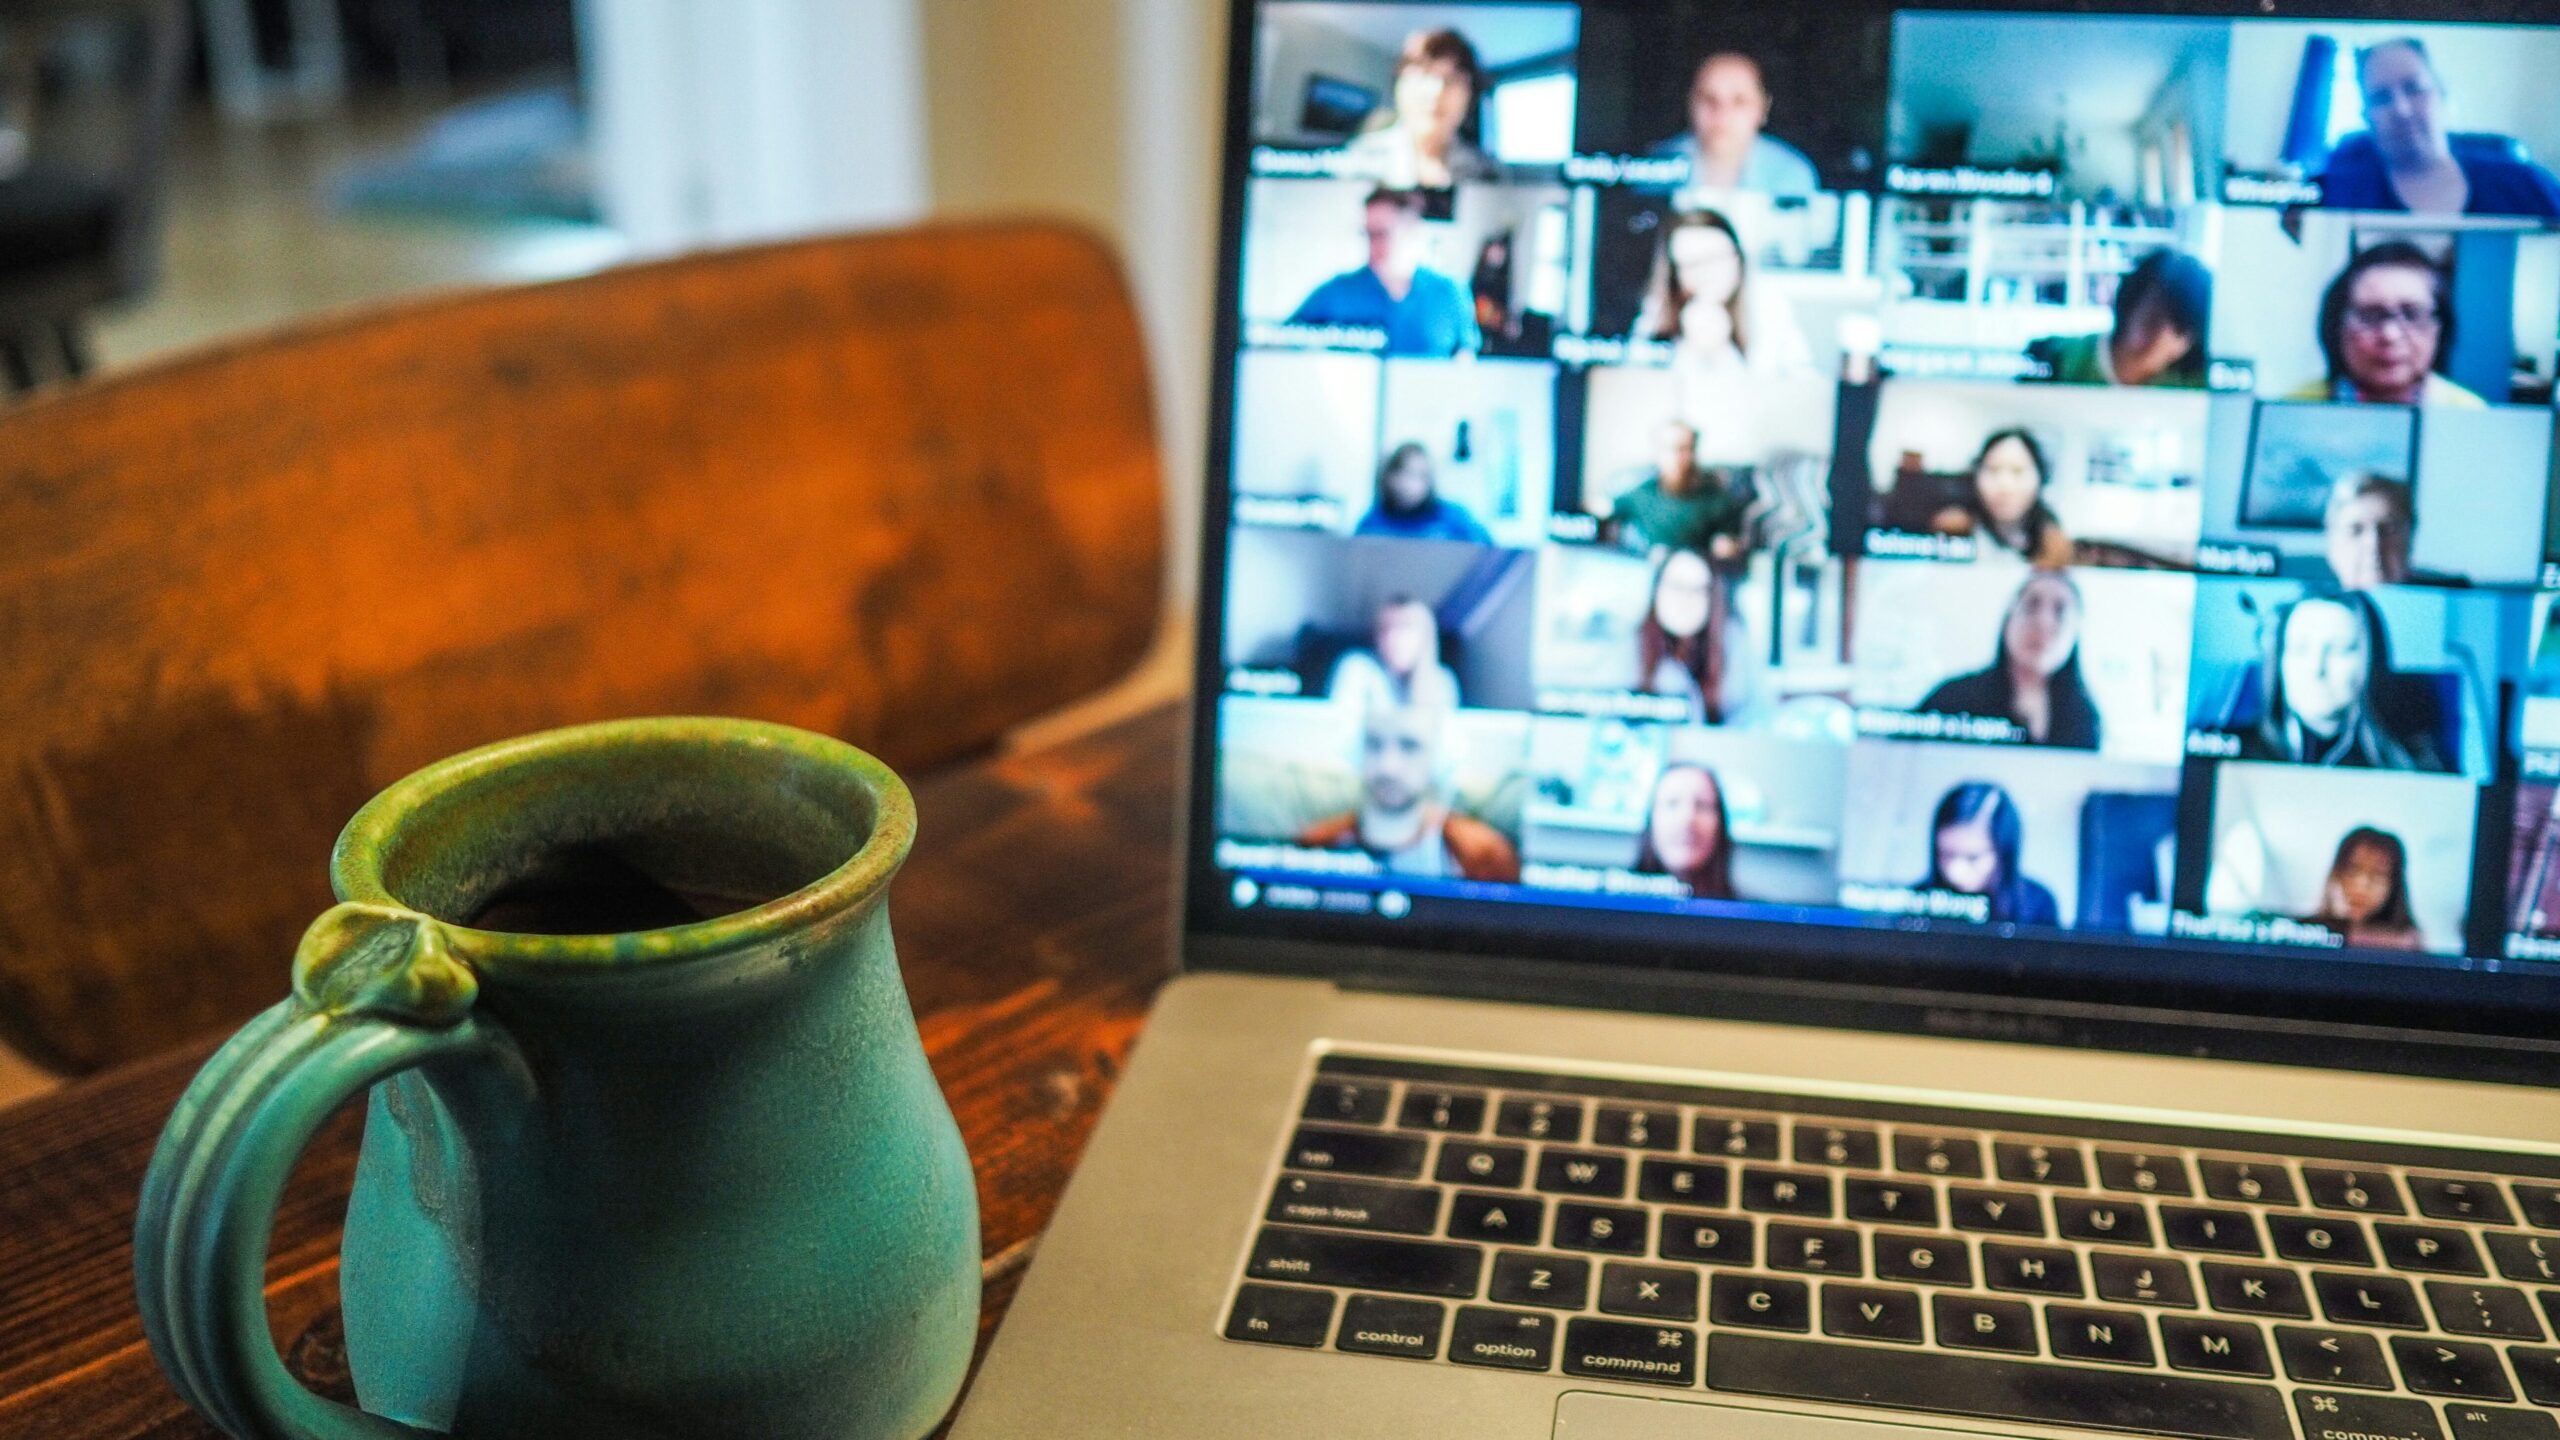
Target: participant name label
(1267, 335)
(1919, 904)
(1668, 171)
(1277, 513)
(2269, 190)
(1240, 855)
(1908, 725)
(1581, 880)
(2532, 947)
(1929, 362)
(2223, 559)
(1615, 705)
(2254, 930)
(1266, 683)
(1913, 545)
(1967, 180)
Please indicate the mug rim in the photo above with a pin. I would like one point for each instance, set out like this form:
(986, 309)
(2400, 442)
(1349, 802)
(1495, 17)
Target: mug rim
(356, 862)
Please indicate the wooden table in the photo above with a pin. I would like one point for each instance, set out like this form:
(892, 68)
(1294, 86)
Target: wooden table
(1035, 926)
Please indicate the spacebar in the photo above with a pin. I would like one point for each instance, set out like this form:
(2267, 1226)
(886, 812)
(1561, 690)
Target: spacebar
(2144, 1403)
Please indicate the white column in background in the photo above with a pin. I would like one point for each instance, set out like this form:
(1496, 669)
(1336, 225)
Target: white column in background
(754, 120)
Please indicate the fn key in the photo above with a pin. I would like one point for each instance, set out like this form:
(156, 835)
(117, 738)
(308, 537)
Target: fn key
(1280, 1315)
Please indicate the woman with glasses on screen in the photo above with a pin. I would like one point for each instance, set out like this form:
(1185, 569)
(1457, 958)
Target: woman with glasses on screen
(1974, 844)
(2386, 326)
(1688, 833)
(1421, 141)
(2332, 697)
(2034, 681)
(2366, 898)
(2409, 160)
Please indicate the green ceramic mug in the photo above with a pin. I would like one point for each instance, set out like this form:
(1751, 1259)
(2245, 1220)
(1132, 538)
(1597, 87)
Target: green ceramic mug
(651, 1149)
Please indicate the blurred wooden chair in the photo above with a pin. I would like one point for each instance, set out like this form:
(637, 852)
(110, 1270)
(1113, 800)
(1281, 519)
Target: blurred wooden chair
(89, 93)
(899, 488)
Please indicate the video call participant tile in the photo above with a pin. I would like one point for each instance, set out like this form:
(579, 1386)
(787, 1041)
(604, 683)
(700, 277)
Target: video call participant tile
(1366, 622)
(1416, 792)
(1353, 265)
(2092, 660)
(1684, 813)
(2331, 860)
(1716, 99)
(2361, 496)
(1967, 834)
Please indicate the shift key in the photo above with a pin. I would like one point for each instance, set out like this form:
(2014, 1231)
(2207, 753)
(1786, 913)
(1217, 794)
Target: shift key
(1366, 1262)
(1356, 1152)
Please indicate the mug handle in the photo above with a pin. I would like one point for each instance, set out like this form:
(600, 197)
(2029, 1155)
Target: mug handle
(376, 992)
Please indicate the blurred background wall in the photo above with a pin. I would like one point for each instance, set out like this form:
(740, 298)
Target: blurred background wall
(326, 153)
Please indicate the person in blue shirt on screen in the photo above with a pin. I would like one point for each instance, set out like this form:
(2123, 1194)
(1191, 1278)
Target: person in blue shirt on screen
(1422, 311)
(2407, 159)
(1974, 843)
(1727, 145)
(1410, 507)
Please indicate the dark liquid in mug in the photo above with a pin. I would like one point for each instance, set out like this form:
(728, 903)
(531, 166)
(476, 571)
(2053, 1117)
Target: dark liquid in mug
(592, 891)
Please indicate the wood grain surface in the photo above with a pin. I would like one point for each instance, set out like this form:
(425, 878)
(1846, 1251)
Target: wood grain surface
(1034, 924)
(901, 488)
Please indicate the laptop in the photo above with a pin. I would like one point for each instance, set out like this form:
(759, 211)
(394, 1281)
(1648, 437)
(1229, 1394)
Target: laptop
(1878, 744)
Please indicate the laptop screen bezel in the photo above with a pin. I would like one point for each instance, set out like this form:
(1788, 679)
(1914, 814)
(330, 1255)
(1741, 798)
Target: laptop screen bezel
(2133, 995)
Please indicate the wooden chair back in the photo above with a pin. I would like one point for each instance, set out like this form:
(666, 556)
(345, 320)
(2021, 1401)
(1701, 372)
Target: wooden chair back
(899, 488)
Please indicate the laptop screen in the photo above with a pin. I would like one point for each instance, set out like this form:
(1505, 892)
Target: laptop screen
(2048, 502)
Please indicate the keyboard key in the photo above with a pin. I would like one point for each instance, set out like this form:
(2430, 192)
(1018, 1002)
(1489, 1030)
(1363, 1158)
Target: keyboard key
(1869, 1312)
(1616, 1350)
(1851, 1147)
(2214, 1347)
(2427, 1249)
(1997, 1212)
(1471, 1164)
(1756, 1302)
(2368, 1300)
(2451, 1367)
(2368, 1192)
(1957, 1156)
(1523, 1119)
(2031, 1269)
(1604, 1229)
(2212, 1232)
(2143, 1173)
(1375, 1326)
(1923, 1259)
(1355, 1205)
(1366, 1262)
(1636, 1129)
(1649, 1292)
(2017, 1391)
(1684, 1182)
(1452, 1112)
(2319, 1240)
(1559, 1282)
(1506, 1219)
(2526, 1257)
(1280, 1315)
(1734, 1137)
(1346, 1102)
(1357, 1152)
(1894, 1202)
(2539, 1371)
(2255, 1290)
(1582, 1172)
(2102, 1222)
(2143, 1280)
(2248, 1182)
(1967, 1323)
(1815, 1249)
(2493, 1311)
(2332, 1357)
(1787, 1192)
(2114, 1337)
(2365, 1417)
(2479, 1422)
(2029, 1162)
(1503, 1339)
(1706, 1239)
(2540, 1205)
(2445, 1197)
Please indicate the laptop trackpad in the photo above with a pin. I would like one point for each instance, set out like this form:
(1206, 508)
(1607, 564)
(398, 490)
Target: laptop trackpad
(1584, 1416)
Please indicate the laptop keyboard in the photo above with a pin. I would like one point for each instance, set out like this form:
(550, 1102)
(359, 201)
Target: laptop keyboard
(2118, 1277)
